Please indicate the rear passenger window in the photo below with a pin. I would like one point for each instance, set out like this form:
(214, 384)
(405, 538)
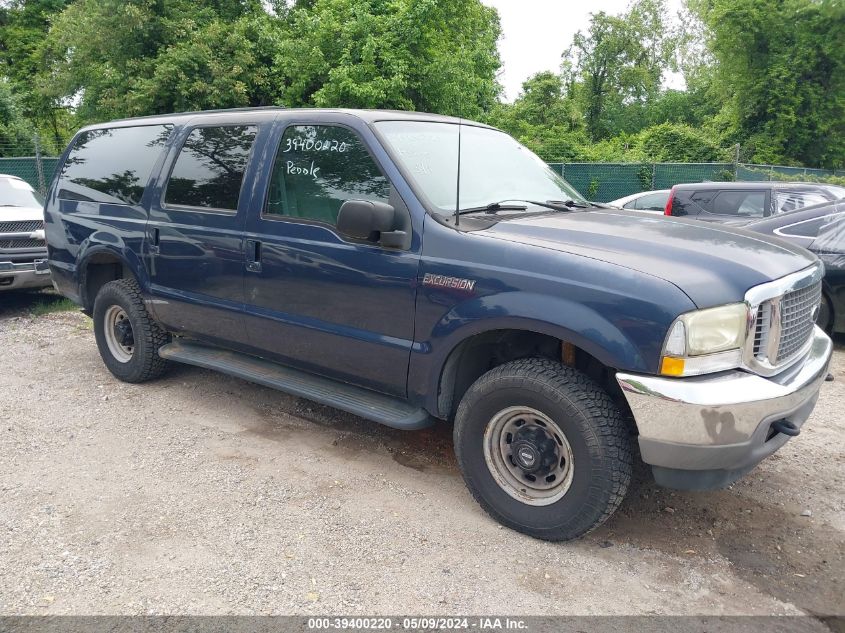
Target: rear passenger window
(112, 165)
(318, 168)
(739, 203)
(791, 200)
(210, 168)
(686, 203)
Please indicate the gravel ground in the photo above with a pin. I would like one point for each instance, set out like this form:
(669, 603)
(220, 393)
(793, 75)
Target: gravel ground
(203, 494)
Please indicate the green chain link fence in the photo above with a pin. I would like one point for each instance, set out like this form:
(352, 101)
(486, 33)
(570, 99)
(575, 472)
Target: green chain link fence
(36, 171)
(604, 182)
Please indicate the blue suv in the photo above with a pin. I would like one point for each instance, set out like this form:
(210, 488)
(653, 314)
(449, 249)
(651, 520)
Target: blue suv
(411, 268)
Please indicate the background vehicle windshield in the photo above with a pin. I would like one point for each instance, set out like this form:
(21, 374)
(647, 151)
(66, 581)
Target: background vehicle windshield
(16, 193)
(494, 167)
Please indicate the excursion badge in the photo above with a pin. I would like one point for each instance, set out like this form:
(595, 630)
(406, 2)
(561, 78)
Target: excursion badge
(442, 281)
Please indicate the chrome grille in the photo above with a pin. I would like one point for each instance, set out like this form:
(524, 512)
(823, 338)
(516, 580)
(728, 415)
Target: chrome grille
(23, 226)
(761, 332)
(797, 312)
(22, 243)
(791, 318)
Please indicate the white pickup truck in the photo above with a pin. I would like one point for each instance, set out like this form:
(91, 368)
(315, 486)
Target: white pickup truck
(23, 251)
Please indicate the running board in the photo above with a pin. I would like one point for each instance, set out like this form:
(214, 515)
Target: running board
(367, 404)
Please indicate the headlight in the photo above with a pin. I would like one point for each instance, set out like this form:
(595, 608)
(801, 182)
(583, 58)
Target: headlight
(705, 341)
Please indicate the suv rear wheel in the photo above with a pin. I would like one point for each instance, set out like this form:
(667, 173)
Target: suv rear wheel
(128, 339)
(543, 449)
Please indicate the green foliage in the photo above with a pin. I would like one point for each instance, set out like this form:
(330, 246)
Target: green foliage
(619, 63)
(646, 177)
(122, 58)
(16, 132)
(676, 142)
(52, 304)
(23, 27)
(544, 119)
(116, 58)
(431, 55)
(780, 75)
(768, 75)
(220, 65)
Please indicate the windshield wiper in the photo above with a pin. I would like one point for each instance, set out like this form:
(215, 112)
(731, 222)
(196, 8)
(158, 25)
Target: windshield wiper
(555, 205)
(567, 204)
(494, 207)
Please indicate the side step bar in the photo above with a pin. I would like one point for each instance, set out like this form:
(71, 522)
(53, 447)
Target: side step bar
(367, 404)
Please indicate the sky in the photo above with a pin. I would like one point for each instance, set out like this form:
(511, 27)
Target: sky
(536, 32)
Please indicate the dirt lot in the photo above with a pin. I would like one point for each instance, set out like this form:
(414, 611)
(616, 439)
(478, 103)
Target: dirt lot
(201, 494)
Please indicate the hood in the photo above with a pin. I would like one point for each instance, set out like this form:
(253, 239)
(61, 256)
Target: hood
(711, 263)
(18, 214)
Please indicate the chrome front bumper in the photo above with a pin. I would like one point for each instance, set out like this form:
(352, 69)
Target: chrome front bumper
(18, 276)
(707, 431)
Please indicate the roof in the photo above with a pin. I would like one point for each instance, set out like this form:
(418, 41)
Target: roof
(271, 112)
(703, 186)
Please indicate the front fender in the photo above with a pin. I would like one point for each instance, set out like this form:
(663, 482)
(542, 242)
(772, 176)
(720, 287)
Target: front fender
(628, 338)
(555, 316)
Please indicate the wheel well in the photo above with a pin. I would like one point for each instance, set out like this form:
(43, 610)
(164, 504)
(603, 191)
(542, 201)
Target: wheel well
(479, 354)
(100, 269)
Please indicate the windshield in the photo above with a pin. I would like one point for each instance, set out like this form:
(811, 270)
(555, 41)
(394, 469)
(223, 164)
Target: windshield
(494, 167)
(17, 193)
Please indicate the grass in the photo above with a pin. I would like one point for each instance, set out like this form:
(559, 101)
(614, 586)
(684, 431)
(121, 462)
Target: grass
(49, 306)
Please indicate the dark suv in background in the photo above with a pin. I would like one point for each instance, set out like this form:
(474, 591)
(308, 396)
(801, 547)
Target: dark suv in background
(738, 203)
(821, 230)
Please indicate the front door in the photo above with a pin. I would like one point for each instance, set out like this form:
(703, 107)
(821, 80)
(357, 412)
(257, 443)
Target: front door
(195, 233)
(315, 299)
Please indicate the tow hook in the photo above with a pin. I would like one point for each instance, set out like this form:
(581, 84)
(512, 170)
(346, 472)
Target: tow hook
(786, 427)
(828, 378)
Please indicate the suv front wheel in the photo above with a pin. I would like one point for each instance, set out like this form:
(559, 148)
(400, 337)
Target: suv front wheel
(128, 339)
(543, 449)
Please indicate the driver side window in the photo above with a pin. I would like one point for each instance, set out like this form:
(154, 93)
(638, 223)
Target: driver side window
(317, 169)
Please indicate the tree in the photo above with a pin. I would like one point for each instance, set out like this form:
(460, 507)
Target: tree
(116, 58)
(16, 132)
(544, 118)
(432, 55)
(780, 76)
(673, 142)
(619, 62)
(23, 27)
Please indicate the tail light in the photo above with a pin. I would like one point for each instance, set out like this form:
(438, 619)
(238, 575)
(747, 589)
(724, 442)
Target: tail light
(668, 210)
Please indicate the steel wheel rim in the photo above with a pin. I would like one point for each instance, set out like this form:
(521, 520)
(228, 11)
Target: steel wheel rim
(499, 436)
(114, 322)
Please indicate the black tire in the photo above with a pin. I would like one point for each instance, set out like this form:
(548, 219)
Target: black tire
(825, 318)
(143, 362)
(598, 439)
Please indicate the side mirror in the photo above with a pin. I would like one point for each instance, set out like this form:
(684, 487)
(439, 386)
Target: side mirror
(366, 220)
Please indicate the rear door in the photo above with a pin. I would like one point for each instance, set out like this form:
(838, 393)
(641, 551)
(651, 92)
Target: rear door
(194, 235)
(315, 298)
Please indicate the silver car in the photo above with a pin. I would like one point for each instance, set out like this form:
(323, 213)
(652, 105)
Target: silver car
(647, 201)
